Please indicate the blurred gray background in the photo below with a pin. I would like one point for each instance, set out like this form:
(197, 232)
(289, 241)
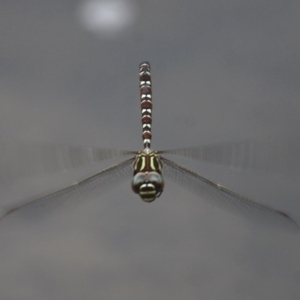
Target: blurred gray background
(221, 71)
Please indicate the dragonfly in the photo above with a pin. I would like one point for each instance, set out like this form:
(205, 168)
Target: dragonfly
(148, 168)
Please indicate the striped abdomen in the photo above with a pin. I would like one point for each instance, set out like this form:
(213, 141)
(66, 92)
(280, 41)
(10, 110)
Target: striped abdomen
(146, 102)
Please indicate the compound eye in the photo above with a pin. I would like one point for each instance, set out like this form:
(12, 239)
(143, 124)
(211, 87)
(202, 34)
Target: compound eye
(137, 181)
(157, 180)
(154, 177)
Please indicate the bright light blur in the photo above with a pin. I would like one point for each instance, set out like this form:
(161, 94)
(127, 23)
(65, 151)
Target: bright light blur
(107, 17)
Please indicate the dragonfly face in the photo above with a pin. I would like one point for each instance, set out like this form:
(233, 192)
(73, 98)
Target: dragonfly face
(147, 179)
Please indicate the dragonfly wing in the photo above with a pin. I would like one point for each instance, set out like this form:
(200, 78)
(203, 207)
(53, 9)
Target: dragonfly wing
(226, 198)
(274, 154)
(96, 184)
(24, 158)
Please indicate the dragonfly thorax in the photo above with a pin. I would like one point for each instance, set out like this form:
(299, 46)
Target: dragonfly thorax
(147, 180)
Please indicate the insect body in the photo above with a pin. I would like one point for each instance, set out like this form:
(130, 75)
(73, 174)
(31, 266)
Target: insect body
(149, 167)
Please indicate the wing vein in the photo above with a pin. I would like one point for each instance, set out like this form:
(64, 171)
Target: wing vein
(226, 198)
(100, 182)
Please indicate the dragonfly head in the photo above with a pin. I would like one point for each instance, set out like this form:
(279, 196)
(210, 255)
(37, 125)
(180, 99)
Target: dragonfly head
(149, 185)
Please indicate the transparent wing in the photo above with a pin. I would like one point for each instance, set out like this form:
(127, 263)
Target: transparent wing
(273, 154)
(226, 198)
(23, 158)
(94, 185)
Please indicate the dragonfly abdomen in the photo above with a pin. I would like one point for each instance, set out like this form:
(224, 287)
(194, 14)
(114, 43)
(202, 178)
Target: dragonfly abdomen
(146, 102)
